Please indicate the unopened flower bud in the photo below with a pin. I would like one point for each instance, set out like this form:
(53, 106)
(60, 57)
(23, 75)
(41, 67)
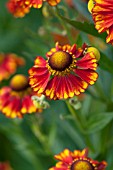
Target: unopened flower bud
(95, 51)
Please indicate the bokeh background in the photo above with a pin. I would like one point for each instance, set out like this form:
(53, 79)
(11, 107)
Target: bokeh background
(31, 142)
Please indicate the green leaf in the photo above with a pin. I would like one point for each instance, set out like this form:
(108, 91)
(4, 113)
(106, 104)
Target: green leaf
(72, 133)
(16, 136)
(98, 121)
(84, 26)
(105, 63)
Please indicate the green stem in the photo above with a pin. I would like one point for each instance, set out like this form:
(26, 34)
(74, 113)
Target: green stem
(39, 135)
(80, 127)
(75, 116)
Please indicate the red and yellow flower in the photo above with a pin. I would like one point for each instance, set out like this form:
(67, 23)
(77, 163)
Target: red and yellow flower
(15, 100)
(102, 13)
(9, 64)
(5, 166)
(67, 72)
(77, 160)
(21, 7)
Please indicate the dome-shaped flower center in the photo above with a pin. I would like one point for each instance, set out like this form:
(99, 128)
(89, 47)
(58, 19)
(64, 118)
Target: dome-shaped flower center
(82, 165)
(60, 60)
(19, 82)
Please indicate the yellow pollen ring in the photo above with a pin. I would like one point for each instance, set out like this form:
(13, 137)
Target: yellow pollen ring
(61, 63)
(82, 165)
(19, 82)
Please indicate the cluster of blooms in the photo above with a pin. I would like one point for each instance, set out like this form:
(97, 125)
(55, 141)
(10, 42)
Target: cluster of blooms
(21, 7)
(15, 99)
(77, 160)
(67, 72)
(8, 64)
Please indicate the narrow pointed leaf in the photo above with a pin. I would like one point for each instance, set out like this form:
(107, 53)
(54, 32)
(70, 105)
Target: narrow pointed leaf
(86, 27)
(98, 121)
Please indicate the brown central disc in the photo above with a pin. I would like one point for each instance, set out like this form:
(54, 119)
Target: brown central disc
(60, 60)
(82, 165)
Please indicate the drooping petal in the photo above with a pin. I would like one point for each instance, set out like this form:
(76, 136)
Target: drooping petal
(65, 87)
(88, 75)
(38, 79)
(40, 62)
(51, 88)
(87, 62)
(27, 105)
(78, 84)
(11, 108)
(39, 75)
(109, 38)
(102, 14)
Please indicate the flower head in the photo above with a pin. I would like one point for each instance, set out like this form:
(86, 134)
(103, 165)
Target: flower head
(21, 7)
(18, 8)
(9, 64)
(66, 72)
(102, 13)
(15, 100)
(77, 160)
(5, 166)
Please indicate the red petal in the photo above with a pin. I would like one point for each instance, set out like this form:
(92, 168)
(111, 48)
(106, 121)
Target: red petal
(53, 2)
(88, 75)
(87, 62)
(39, 75)
(40, 62)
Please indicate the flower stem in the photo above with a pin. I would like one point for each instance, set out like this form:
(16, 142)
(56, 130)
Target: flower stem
(75, 116)
(35, 127)
(80, 126)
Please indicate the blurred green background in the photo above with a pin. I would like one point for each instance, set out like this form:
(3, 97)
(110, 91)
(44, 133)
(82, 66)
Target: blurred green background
(30, 143)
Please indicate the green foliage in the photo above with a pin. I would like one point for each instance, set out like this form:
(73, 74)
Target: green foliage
(98, 121)
(85, 27)
(31, 142)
